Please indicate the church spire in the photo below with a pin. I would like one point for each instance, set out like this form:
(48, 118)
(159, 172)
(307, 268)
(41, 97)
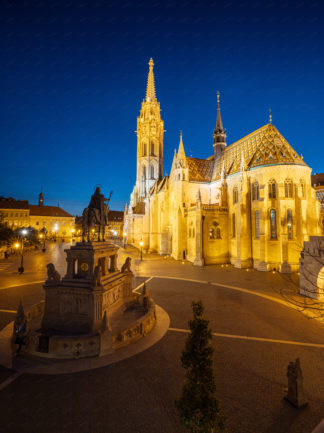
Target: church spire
(181, 151)
(41, 198)
(219, 135)
(219, 123)
(150, 89)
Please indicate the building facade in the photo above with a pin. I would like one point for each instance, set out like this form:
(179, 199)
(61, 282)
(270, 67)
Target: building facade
(250, 203)
(52, 219)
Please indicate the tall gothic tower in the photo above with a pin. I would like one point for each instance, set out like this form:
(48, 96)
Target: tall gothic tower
(150, 129)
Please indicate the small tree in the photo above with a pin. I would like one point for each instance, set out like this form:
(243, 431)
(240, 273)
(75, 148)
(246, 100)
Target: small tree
(197, 405)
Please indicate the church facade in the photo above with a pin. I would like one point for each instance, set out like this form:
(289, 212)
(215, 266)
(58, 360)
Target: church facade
(250, 204)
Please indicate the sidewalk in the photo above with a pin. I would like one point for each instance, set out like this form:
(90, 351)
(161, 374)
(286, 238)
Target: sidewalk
(283, 288)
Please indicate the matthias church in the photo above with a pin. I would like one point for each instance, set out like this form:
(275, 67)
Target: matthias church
(251, 203)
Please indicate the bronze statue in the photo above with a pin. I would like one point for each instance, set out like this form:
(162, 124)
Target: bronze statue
(96, 214)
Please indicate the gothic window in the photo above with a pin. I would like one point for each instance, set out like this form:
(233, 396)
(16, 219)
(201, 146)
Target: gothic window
(212, 234)
(152, 171)
(273, 224)
(233, 225)
(257, 224)
(152, 148)
(144, 149)
(289, 224)
(272, 189)
(218, 233)
(235, 195)
(193, 233)
(144, 172)
(256, 191)
(302, 188)
(288, 188)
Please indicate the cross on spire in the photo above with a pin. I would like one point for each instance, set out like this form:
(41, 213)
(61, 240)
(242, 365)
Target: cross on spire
(270, 115)
(150, 89)
(219, 123)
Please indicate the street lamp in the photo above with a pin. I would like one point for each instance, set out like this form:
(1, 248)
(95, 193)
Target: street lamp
(141, 245)
(21, 267)
(124, 236)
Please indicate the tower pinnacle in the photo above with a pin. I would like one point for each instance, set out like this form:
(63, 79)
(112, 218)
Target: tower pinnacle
(150, 89)
(181, 151)
(219, 135)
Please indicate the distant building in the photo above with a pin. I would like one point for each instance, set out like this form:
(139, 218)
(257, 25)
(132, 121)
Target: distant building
(116, 223)
(53, 219)
(14, 213)
(318, 185)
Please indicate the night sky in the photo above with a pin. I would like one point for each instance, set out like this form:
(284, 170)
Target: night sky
(73, 76)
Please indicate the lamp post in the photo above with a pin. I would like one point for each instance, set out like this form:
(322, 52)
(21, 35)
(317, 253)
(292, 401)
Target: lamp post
(141, 245)
(21, 267)
(124, 236)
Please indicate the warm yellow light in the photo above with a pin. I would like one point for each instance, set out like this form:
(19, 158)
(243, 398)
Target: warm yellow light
(17, 245)
(41, 236)
(93, 230)
(141, 243)
(73, 230)
(124, 234)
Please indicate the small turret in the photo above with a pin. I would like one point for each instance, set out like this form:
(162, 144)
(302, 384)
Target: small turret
(41, 198)
(219, 135)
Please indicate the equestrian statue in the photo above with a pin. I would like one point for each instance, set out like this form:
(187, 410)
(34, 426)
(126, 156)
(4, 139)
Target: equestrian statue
(96, 214)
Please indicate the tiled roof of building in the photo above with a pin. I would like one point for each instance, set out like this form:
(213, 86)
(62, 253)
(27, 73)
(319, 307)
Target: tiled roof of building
(265, 146)
(53, 211)
(200, 170)
(317, 179)
(11, 203)
(139, 209)
(115, 215)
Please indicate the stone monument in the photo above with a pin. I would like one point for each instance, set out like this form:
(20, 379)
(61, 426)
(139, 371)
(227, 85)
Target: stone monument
(92, 310)
(295, 394)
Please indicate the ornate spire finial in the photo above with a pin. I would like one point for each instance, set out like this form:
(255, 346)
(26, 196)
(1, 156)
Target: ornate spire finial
(219, 123)
(181, 151)
(150, 89)
(270, 115)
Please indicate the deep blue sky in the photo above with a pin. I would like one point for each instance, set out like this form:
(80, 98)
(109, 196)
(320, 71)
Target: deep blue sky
(73, 75)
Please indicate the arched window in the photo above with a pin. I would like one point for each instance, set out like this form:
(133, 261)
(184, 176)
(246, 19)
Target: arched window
(302, 188)
(212, 234)
(288, 188)
(152, 148)
(255, 195)
(152, 171)
(235, 195)
(289, 224)
(257, 224)
(218, 233)
(144, 149)
(273, 224)
(233, 225)
(272, 189)
(144, 172)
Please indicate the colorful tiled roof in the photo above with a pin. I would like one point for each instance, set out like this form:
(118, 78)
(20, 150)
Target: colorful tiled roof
(200, 170)
(53, 211)
(139, 209)
(265, 146)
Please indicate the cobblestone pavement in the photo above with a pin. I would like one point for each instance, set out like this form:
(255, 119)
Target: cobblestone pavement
(136, 395)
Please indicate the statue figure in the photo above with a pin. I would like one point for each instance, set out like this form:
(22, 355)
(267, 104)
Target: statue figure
(126, 266)
(295, 393)
(20, 328)
(97, 275)
(52, 275)
(96, 214)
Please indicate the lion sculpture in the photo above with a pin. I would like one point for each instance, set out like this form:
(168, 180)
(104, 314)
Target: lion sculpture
(52, 275)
